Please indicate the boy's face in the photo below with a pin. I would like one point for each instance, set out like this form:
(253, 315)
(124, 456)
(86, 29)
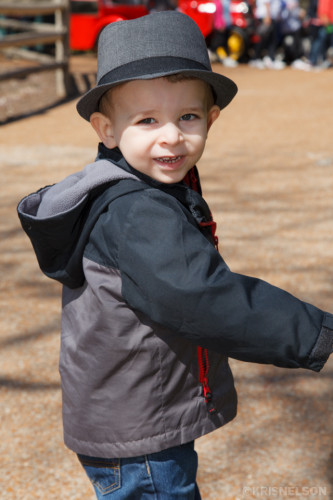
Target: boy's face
(159, 126)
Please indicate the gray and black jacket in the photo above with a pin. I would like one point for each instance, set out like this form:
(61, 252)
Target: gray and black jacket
(151, 311)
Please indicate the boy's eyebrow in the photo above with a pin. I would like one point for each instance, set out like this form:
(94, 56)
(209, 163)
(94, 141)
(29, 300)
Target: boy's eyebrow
(152, 111)
(143, 112)
(199, 107)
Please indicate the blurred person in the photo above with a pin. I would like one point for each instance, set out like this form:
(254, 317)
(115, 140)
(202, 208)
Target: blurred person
(311, 23)
(321, 49)
(268, 14)
(218, 43)
(292, 16)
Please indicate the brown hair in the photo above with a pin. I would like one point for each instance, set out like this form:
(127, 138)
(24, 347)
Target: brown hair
(104, 103)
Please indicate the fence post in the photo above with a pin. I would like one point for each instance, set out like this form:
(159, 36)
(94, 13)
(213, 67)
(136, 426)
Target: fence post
(62, 52)
(33, 33)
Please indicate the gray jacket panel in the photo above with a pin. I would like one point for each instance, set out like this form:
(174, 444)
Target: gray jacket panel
(131, 387)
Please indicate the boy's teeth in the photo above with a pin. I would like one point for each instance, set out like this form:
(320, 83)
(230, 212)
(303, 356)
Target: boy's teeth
(169, 160)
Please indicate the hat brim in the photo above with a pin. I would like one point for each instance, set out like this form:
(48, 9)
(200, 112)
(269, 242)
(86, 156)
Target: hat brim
(224, 89)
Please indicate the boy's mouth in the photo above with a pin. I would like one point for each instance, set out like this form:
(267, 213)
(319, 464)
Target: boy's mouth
(169, 159)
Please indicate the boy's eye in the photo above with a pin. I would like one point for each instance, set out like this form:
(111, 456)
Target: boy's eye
(188, 117)
(147, 121)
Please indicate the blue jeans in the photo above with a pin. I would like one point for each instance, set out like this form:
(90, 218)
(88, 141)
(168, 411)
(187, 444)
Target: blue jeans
(320, 45)
(167, 475)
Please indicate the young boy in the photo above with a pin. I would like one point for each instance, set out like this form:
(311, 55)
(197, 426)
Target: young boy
(150, 309)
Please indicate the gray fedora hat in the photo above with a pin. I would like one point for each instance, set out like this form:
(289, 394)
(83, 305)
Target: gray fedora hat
(152, 46)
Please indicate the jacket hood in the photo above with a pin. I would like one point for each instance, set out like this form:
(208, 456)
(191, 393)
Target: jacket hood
(58, 219)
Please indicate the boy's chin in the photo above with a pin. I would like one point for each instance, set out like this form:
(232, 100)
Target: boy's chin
(170, 179)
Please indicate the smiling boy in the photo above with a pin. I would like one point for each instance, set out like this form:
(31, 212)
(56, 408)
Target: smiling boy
(151, 312)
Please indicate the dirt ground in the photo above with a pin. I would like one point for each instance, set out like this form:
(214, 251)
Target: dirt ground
(267, 174)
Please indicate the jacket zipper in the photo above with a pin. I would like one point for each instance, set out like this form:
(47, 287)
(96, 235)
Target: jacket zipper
(202, 354)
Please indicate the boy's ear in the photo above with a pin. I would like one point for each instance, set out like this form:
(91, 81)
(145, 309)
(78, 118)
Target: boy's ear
(104, 129)
(213, 115)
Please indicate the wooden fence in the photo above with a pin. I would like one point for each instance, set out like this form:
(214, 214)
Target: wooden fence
(22, 17)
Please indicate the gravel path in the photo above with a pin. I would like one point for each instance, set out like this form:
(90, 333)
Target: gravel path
(268, 176)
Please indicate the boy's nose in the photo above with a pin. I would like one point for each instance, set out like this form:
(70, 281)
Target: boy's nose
(170, 134)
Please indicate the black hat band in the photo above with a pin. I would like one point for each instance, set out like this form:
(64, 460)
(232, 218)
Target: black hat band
(153, 66)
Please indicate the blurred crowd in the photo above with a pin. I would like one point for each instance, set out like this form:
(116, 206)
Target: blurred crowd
(273, 34)
(262, 33)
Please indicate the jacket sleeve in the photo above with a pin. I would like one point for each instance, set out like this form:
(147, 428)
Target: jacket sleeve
(172, 274)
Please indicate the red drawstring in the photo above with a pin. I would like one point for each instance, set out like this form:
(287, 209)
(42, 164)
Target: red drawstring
(203, 377)
(212, 225)
(191, 180)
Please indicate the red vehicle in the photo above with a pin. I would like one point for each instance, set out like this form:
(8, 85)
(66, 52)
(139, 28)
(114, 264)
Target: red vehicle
(201, 11)
(88, 17)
